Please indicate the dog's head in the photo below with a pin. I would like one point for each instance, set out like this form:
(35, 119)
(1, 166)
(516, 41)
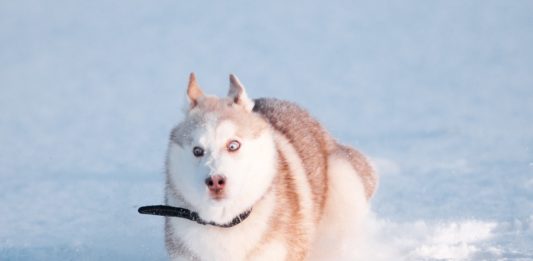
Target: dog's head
(221, 157)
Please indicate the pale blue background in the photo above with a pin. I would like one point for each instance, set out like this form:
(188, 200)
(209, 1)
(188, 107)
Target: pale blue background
(438, 93)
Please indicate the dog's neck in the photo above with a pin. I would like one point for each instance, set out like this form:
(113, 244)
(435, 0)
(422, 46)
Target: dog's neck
(169, 211)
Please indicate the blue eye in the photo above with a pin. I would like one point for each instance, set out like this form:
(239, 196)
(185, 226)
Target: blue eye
(198, 152)
(233, 145)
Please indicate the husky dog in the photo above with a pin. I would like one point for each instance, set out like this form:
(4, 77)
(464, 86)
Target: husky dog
(264, 178)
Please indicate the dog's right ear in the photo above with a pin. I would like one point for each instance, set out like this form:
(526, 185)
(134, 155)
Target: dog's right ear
(194, 93)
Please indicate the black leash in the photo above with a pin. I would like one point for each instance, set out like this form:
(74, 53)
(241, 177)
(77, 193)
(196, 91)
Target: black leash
(168, 211)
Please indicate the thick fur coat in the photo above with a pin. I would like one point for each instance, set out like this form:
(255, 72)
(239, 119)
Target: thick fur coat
(304, 189)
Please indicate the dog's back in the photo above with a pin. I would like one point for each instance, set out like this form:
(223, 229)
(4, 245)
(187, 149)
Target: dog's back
(313, 144)
(339, 178)
(308, 139)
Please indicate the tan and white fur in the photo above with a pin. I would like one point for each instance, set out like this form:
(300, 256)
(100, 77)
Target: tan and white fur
(307, 192)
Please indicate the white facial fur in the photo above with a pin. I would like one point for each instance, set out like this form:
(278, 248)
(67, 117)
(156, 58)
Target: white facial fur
(249, 171)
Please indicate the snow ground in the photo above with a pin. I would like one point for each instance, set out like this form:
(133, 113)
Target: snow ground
(439, 94)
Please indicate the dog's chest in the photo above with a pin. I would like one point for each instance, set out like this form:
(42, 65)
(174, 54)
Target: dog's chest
(235, 243)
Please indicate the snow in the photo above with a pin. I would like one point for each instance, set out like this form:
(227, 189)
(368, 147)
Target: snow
(439, 94)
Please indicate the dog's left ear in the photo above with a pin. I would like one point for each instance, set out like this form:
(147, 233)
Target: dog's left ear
(238, 94)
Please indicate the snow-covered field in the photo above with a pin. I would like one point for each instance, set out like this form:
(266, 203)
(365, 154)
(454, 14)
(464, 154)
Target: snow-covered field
(438, 93)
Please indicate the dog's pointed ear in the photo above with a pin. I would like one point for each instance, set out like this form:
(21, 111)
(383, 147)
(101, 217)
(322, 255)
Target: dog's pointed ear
(238, 94)
(194, 93)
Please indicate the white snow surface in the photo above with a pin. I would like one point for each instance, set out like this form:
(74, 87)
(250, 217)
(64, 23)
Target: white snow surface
(438, 93)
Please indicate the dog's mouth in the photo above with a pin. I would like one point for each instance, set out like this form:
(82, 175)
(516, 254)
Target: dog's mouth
(218, 197)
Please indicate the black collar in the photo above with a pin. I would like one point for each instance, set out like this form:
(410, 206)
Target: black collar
(168, 211)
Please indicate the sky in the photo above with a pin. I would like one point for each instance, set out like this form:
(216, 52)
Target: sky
(438, 94)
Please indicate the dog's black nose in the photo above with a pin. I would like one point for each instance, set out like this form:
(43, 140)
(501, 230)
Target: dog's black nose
(215, 183)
